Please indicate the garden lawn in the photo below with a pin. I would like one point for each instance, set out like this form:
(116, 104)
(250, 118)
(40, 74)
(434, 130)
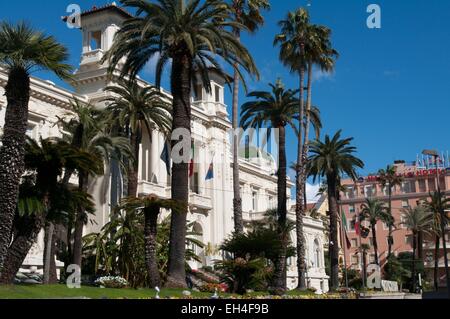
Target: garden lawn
(61, 292)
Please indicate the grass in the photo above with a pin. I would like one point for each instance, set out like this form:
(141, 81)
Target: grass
(62, 292)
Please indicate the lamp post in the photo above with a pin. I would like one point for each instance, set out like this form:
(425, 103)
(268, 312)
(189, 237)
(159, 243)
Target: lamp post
(435, 155)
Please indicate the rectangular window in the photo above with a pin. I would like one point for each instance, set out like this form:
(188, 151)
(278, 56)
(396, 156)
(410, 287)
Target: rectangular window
(96, 40)
(351, 209)
(198, 91)
(409, 187)
(372, 259)
(195, 183)
(371, 241)
(422, 186)
(355, 260)
(442, 183)
(405, 204)
(431, 184)
(352, 224)
(217, 94)
(255, 201)
(354, 243)
(350, 193)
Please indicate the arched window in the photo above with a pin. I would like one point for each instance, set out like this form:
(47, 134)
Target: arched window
(317, 259)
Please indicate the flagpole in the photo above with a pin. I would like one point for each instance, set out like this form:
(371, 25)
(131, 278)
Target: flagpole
(344, 245)
(363, 274)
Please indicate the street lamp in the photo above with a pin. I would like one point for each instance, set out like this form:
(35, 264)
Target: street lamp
(435, 155)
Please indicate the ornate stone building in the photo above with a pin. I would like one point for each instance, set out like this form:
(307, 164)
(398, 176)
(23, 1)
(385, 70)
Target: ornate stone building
(211, 200)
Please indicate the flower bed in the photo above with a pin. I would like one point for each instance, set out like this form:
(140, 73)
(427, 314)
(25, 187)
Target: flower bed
(111, 282)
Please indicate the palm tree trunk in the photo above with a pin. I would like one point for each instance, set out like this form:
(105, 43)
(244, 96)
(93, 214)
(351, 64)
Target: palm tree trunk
(436, 262)
(150, 233)
(48, 240)
(390, 238)
(279, 281)
(181, 91)
(237, 200)
(334, 247)
(420, 245)
(282, 173)
(375, 244)
(28, 229)
(134, 167)
(413, 271)
(299, 207)
(12, 152)
(364, 257)
(53, 278)
(79, 224)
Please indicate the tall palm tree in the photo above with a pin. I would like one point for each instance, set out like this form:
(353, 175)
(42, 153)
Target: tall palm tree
(22, 51)
(374, 210)
(136, 109)
(390, 179)
(274, 110)
(434, 206)
(247, 13)
(417, 219)
(330, 159)
(193, 35)
(302, 46)
(87, 133)
(150, 206)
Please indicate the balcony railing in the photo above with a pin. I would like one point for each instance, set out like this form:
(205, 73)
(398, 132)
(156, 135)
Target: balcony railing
(92, 56)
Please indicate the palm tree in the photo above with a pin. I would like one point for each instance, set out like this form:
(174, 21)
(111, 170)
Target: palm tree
(87, 133)
(331, 159)
(151, 207)
(390, 179)
(22, 51)
(416, 219)
(30, 220)
(136, 109)
(434, 206)
(374, 211)
(247, 13)
(193, 34)
(274, 110)
(303, 46)
(49, 158)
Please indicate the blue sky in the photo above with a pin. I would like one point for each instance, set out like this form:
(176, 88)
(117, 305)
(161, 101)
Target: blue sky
(389, 89)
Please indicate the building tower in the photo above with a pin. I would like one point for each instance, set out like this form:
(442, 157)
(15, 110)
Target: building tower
(98, 26)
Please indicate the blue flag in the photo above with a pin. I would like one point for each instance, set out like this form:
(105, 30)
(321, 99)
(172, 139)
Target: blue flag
(210, 174)
(165, 156)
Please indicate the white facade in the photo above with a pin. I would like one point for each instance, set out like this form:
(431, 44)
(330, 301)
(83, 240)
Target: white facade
(211, 201)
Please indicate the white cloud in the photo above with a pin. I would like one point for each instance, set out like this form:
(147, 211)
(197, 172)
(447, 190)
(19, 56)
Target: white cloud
(311, 193)
(319, 75)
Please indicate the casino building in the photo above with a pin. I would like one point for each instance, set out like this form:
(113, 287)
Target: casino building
(419, 179)
(210, 200)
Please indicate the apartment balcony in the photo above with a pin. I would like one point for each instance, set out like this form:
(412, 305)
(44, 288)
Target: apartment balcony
(200, 202)
(147, 188)
(90, 57)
